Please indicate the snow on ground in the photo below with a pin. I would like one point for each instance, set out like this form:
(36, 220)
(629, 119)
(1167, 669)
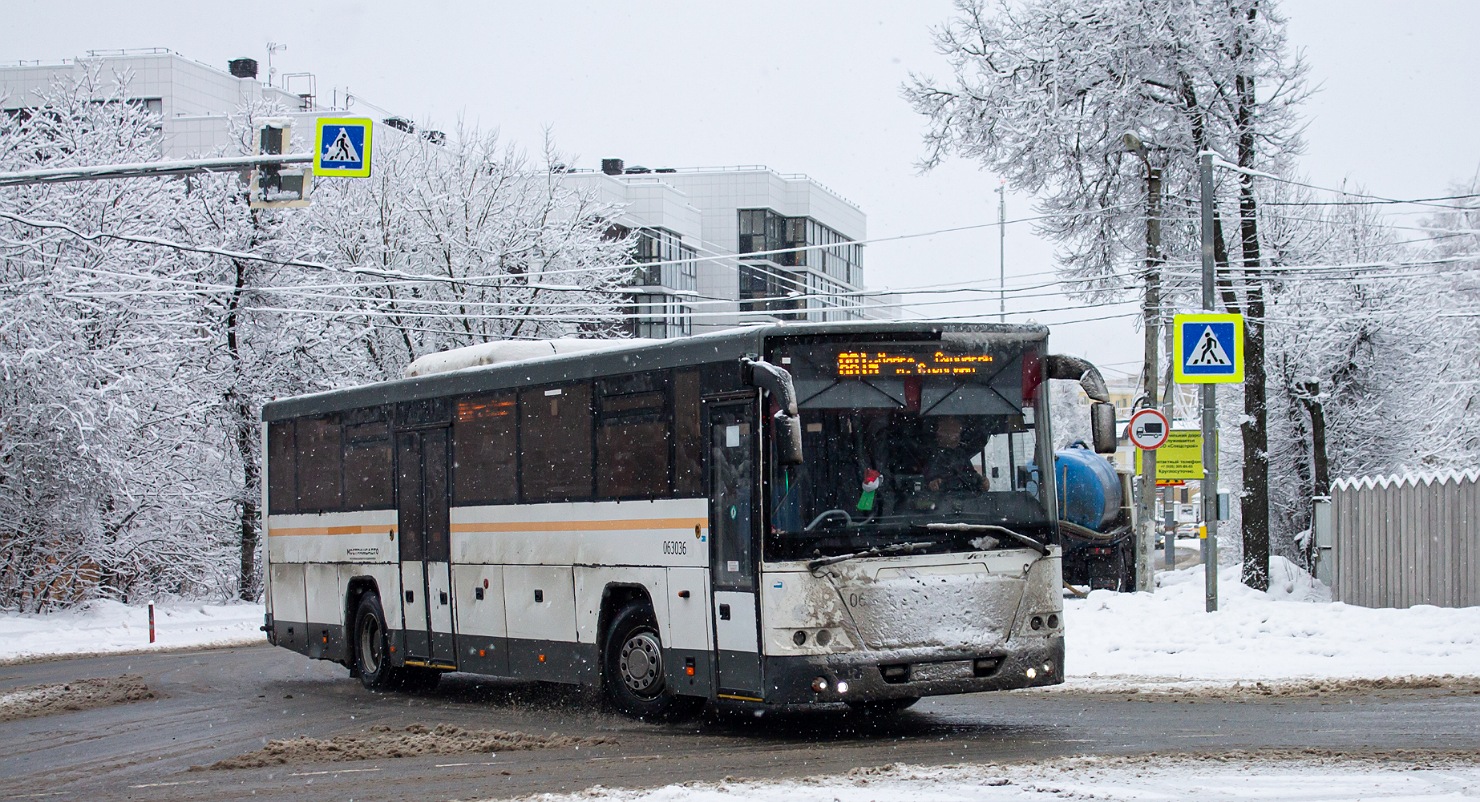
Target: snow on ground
(107, 626)
(1166, 640)
(1101, 779)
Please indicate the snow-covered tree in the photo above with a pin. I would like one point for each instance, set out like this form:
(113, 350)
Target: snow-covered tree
(1042, 92)
(105, 483)
(466, 242)
(144, 322)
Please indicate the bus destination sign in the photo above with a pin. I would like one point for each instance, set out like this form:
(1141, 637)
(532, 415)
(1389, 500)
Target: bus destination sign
(886, 364)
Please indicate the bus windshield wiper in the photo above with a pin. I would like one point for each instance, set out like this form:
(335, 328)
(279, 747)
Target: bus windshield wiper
(877, 551)
(1030, 542)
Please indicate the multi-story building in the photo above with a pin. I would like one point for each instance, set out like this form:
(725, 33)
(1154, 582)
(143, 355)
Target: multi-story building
(734, 245)
(726, 246)
(194, 101)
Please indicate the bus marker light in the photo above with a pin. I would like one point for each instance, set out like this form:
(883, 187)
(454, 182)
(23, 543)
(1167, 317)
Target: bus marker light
(688, 670)
(542, 659)
(819, 685)
(481, 653)
(683, 594)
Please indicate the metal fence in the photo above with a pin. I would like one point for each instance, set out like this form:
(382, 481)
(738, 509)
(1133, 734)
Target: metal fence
(1397, 541)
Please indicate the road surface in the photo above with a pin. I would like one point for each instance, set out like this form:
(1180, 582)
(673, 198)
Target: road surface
(218, 705)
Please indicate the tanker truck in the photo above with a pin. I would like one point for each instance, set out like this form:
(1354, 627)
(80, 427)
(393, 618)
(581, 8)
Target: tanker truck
(1096, 522)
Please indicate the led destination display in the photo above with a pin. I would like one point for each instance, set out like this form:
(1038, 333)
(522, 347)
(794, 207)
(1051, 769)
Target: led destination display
(885, 364)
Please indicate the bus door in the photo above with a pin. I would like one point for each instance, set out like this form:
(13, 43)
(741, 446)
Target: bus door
(421, 490)
(732, 475)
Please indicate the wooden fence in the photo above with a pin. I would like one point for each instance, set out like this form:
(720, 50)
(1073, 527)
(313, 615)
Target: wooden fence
(1397, 541)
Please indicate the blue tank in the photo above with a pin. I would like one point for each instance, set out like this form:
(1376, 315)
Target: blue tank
(1089, 490)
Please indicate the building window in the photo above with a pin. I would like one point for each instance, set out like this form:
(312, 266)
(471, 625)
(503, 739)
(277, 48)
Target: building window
(659, 316)
(770, 290)
(761, 230)
(674, 265)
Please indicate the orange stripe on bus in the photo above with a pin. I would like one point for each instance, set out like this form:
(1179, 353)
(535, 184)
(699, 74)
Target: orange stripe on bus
(580, 526)
(330, 530)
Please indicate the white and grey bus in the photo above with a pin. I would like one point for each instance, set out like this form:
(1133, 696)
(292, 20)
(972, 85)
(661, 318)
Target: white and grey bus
(783, 515)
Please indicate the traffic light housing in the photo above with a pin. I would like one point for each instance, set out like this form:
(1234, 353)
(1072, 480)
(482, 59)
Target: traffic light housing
(278, 186)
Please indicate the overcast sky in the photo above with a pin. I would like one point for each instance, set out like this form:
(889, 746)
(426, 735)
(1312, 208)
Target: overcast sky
(801, 87)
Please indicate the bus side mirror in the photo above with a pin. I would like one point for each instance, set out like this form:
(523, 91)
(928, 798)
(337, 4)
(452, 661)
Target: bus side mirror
(776, 381)
(1102, 425)
(788, 438)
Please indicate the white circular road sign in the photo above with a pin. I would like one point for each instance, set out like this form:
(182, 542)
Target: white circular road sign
(1149, 429)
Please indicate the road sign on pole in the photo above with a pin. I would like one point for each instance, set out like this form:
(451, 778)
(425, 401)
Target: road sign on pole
(1148, 429)
(342, 147)
(1207, 348)
(1180, 458)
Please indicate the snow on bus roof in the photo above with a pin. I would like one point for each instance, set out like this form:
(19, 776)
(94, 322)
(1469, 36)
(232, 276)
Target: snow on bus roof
(506, 351)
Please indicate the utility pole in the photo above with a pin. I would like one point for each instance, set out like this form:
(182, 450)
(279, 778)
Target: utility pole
(1002, 251)
(1209, 396)
(1146, 509)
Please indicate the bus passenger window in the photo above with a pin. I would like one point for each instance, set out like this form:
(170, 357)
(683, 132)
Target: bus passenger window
(555, 443)
(319, 464)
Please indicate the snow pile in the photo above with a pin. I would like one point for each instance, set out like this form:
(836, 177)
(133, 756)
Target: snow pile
(1291, 633)
(1106, 779)
(108, 626)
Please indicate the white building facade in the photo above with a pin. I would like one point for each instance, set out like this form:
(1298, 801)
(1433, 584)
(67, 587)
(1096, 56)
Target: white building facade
(194, 101)
(736, 245)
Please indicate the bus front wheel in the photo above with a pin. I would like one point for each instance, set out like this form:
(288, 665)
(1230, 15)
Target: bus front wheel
(634, 678)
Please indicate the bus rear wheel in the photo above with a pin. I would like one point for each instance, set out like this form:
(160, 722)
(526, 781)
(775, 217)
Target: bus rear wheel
(634, 678)
(372, 646)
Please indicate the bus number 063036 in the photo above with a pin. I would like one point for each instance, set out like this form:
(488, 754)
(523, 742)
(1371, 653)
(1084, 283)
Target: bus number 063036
(675, 547)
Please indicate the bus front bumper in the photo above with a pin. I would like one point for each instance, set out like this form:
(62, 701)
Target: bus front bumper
(869, 676)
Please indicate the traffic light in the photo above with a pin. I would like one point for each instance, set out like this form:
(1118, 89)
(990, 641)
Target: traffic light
(278, 186)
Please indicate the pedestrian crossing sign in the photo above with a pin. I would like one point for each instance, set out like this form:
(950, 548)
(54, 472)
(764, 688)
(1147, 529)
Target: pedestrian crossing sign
(1208, 348)
(342, 147)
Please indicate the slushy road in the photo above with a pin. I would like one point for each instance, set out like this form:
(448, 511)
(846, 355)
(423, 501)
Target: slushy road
(220, 704)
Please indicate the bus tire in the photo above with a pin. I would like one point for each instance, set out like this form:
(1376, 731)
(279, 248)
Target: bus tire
(372, 646)
(633, 676)
(883, 707)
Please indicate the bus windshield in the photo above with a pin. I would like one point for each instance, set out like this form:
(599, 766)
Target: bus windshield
(912, 446)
